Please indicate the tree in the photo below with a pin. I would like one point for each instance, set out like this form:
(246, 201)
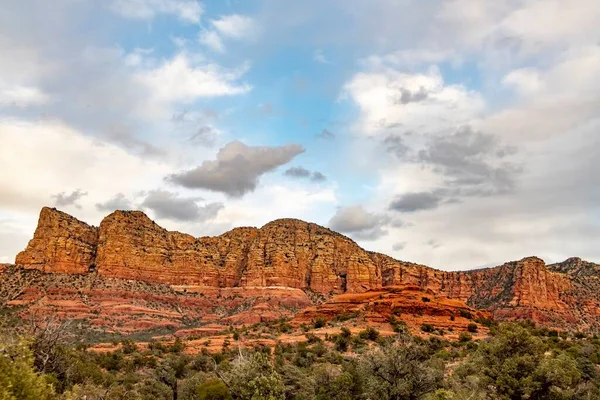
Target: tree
(254, 379)
(18, 377)
(213, 389)
(170, 370)
(333, 383)
(506, 365)
(401, 371)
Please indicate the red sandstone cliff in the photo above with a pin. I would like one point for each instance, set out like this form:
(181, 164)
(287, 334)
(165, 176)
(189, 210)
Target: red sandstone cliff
(300, 255)
(60, 244)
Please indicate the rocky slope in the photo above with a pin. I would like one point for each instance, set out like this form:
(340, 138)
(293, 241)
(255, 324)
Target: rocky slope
(306, 259)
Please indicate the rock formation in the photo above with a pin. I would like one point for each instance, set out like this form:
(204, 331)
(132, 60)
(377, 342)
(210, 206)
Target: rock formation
(60, 244)
(306, 257)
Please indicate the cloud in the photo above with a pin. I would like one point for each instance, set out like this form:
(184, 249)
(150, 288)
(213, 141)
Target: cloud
(356, 221)
(318, 177)
(13, 238)
(185, 10)
(170, 205)
(122, 135)
(399, 246)
(236, 26)
(472, 161)
(395, 145)
(212, 40)
(406, 96)
(411, 202)
(71, 199)
(326, 134)
(233, 27)
(297, 172)
(181, 80)
(320, 57)
(301, 173)
(420, 102)
(524, 80)
(433, 244)
(21, 96)
(237, 168)
(205, 135)
(118, 202)
(102, 169)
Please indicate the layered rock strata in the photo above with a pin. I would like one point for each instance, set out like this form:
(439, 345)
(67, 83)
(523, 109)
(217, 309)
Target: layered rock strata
(289, 253)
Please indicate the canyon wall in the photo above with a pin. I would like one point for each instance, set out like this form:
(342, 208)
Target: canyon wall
(300, 255)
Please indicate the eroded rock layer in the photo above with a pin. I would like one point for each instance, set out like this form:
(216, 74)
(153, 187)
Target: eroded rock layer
(289, 253)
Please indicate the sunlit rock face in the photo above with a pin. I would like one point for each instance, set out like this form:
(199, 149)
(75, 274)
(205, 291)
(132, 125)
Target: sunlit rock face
(308, 258)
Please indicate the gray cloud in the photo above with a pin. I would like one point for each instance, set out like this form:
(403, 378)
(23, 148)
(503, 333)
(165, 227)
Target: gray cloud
(318, 177)
(297, 172)
(123, 136)
(359, 223)
(395, 145)
(326, 134)
(204, 136)
(433, 244)
(118, 202)
(472, 162)
(301, 173)
(398, 246)
(406, 96)
(237, 169)
(63, 199)
(411, 202)
(169, 205)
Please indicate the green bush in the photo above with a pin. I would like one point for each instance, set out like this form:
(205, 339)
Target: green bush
(18, 378)
(369, 334)
(319, 322)
(213, 389)
(465, 337)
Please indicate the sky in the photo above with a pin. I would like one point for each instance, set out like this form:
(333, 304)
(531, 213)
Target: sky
(453, 133)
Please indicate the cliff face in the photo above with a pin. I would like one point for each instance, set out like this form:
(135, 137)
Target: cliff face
(300, 255)
(128, 245)
(60, 244)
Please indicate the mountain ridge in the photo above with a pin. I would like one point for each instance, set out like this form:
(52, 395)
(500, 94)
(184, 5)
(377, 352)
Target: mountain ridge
(287, 252)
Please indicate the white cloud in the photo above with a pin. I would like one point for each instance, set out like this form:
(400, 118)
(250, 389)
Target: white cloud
(22, 96)
(416, 101)
(523, 80)
(268, 202)
(552, 23)
(236, 26)
(410, 58)
(552, 101)
(185, 10)
(212, 40)
(38, 160)
(28, 183)
(181, 80)
(320, 57)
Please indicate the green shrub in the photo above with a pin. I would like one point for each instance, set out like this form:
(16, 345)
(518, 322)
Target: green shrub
(369, 334)
(465, 314)
(213, 389)
(18, 378)
(319, 322)
(465, 337)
